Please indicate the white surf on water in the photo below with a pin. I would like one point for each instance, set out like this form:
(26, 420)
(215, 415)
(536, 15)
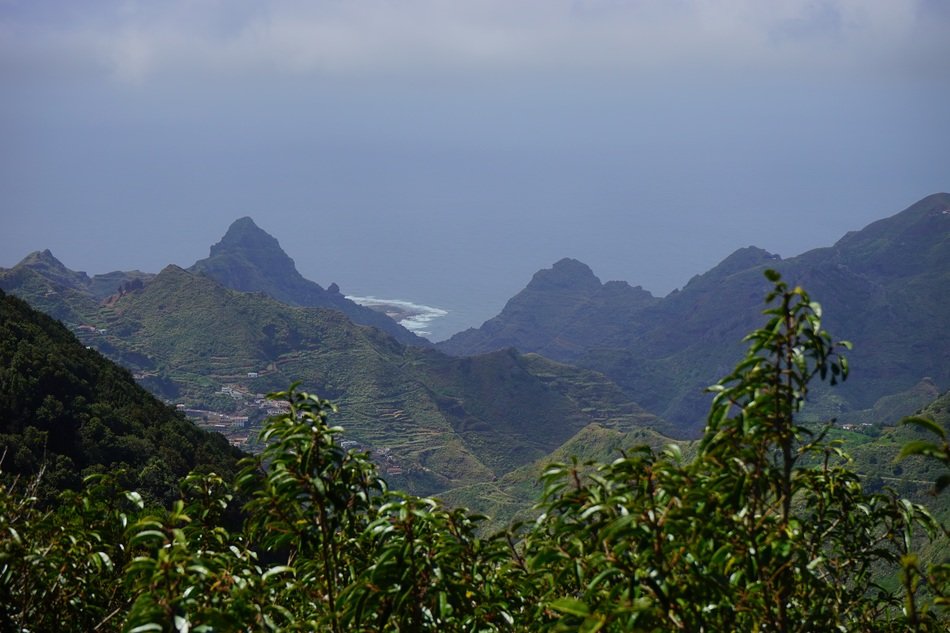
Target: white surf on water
(412, 316)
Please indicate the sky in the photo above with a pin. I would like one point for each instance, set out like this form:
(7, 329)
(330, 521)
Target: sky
(440, 152)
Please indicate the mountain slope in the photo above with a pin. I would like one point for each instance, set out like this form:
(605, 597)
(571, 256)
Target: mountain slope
(65, 294)
(250, 260)
(562, 311)
(444, 421)
(886, 288)
(68, 410)
(513, 496)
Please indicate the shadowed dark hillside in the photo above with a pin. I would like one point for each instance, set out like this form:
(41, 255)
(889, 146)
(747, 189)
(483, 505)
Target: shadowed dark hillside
(887, 287)
(70, 412)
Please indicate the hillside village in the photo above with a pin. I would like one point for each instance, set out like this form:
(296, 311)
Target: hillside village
(243, 420)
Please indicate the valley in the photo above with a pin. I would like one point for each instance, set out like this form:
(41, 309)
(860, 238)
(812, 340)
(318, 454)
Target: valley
(484, 455)
(600, 316)
(570, 366)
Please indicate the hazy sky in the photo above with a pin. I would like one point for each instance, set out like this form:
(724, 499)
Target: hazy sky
(442, 151)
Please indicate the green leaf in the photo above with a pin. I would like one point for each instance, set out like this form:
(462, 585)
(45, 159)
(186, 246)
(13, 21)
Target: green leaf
(135, 498)
(925, 423)
(592, 624)
(146, 535)
(591, 510)
(570, 606)
(279, 569)
(919, 447)
(104, 559)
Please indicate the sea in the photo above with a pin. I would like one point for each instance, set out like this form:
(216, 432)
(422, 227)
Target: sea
(427, 321)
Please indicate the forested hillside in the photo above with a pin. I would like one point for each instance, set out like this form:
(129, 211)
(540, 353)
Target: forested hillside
(68, 412)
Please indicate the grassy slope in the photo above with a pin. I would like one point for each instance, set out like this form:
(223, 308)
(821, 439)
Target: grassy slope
(511, 497)
(873, 457)
(448, 421)
(65, 303)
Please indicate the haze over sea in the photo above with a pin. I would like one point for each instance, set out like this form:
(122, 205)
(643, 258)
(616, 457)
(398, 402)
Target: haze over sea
(441, 153)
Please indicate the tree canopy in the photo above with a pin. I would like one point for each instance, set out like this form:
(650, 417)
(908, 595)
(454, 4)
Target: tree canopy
(766, 529)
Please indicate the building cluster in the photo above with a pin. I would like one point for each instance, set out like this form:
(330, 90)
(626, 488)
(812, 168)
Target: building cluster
(862, 426)
(239, 427)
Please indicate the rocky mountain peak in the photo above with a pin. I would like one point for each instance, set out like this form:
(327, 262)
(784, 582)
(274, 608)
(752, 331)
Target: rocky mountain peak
(244, 239)
(566, 273)
(244, 233)
(249, 259)
(51, 268)
(42, 258)
(745, 258)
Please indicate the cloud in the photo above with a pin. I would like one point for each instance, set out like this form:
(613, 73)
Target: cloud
(134, 40)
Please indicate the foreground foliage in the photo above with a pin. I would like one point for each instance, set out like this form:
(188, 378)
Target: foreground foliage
(766, 529)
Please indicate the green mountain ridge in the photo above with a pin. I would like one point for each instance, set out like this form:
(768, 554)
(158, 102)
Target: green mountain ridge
(511, 497)
(885, 287)
(250, 260)
(467, 426)
(873, 449)
(694, 517)
(438, 421)
(65, 294)
(69, 412)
